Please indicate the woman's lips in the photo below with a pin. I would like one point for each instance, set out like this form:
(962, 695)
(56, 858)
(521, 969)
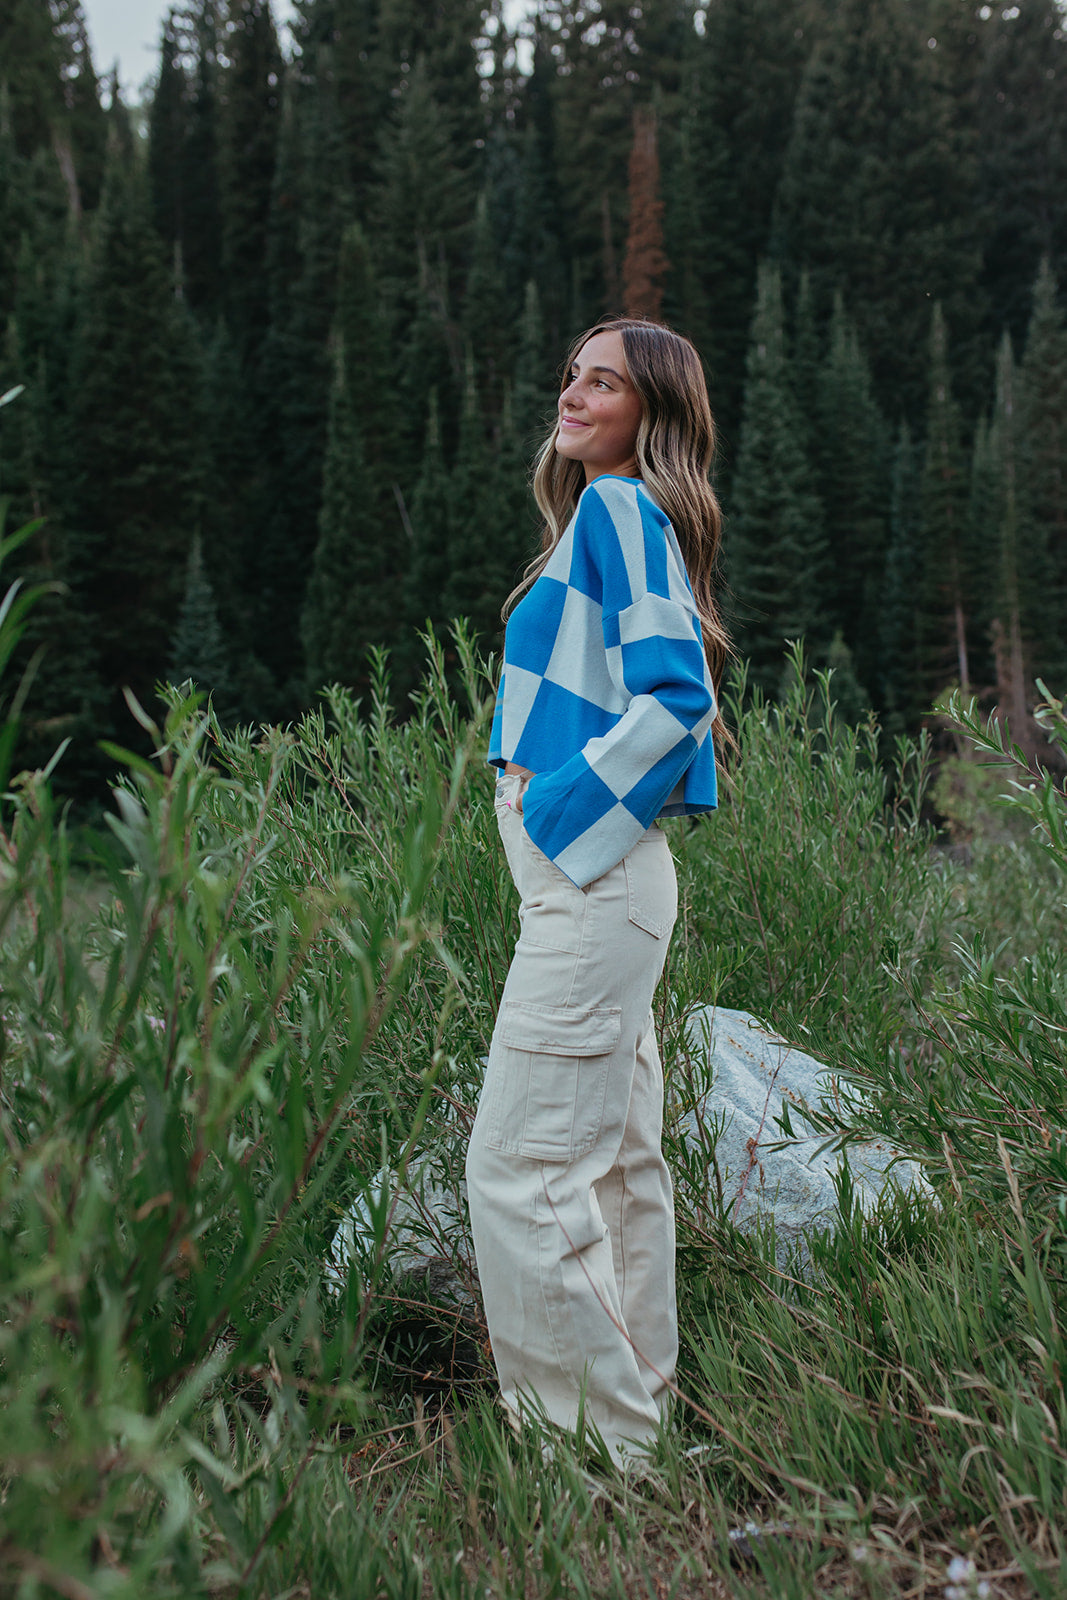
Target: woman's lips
(572, 422)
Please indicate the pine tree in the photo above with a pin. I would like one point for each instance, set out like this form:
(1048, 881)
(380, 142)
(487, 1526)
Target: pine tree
(610, 57)
(850, 698)
(355, 592)
(252, 85)
(167, 135)
(983, 555)
(199, 651)
(807, 362)
(1021, 113)
(80, 134)
(420, 223)
(945, 590)
(542, 219)
(64, 696)
(853, 490)
(489, 517)
(502, 178)
(137, 484)
(332, 41)
(775, 543)
(687, 302)
(900, 690)
(427, 575)
(1016, 571)
(201, 217)
(291, 379)
(750, 63)
(1042, 409)
(534, 395)
(645, 264)
(413, 35)
(15, 205)
(232, 548)
(486, 319)
(53, 96)
(878, 194)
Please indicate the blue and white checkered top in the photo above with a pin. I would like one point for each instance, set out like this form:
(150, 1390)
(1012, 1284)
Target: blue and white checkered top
(605, 693)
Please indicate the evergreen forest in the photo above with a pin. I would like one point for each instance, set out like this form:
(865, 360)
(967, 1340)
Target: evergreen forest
(286, 336)
(276, 349)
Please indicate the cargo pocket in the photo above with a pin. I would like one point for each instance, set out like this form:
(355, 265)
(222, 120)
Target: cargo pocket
(652, 886)
(549, 1101)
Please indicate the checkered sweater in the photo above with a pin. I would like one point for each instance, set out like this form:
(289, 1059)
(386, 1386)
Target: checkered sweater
(605, 693)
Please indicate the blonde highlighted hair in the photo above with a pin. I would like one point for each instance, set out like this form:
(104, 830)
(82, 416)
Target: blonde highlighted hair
(675, 447)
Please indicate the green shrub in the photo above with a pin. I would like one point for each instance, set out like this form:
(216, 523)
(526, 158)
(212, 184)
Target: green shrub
(282, 989)
(814, 875)
(187, 1092)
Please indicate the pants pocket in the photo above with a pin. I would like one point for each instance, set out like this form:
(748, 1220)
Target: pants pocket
(508, 785)
(551, 1088)
(652, 886)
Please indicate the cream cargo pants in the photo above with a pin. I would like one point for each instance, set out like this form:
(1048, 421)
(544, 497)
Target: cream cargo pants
(570, 1198)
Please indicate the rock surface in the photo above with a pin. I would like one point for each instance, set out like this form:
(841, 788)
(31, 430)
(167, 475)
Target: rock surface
(755, 1083)
(758, 1082)
(428, 1239)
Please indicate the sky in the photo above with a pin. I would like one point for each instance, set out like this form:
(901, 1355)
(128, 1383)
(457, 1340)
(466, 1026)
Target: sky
(128, 31)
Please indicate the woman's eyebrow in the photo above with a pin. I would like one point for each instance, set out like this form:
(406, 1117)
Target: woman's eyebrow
(614, 374)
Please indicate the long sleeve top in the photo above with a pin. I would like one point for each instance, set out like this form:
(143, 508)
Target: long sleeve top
(605, 693)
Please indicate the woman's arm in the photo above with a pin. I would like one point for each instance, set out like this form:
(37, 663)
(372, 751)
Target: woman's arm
(587, 814)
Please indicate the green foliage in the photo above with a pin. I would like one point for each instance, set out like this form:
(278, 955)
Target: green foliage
(1041, 444)
(285, 972)
(899, 674)
(945, 608)
(850, 455)
(136, 443)
(777, 548)
(490, 522)
(170, 1168)
(353, 599)
(248, 145)
(891, 158)
(286, 985)
(167, 137)
(812, 833)
(741, 98)
(966, 794)
(875, 157)
(200, 655)
(1021, 98)
(428, 569)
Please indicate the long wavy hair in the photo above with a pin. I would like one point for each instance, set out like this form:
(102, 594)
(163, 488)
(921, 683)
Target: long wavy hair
(675, 448)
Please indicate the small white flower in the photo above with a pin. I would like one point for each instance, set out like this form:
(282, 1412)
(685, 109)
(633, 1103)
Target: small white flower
(960, 1570)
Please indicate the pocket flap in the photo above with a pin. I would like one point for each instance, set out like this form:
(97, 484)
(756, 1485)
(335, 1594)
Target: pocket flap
(561, 1030)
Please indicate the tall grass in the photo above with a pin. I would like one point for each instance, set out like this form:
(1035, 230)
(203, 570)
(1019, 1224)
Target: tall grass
(282, 1006)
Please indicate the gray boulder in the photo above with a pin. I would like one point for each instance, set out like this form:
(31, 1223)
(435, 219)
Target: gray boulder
(750, 1109)
(428, 1238)
(753, 1088)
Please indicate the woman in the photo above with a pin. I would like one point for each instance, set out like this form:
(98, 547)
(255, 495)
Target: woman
(603, 723)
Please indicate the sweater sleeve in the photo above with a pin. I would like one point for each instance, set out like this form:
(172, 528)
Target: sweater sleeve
(590, 812)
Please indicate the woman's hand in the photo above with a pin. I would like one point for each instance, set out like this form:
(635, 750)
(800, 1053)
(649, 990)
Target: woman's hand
(525, 775)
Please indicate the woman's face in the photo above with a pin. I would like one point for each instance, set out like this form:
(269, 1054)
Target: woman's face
(600, 410)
